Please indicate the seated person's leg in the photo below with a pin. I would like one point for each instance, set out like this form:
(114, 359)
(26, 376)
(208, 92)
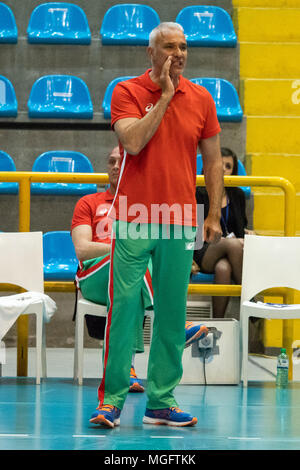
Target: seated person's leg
(93, 283)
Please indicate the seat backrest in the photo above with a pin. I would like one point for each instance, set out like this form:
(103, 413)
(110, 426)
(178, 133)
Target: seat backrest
(270, 262)
(108, 94)
(64, 95)
(128, 23)
(199, 164)
(8, 27)
(225, 97)
(58, 245)
(63, 23)
(207, 26)
(241, 172)
(6, 162)
(63, 161)
(21, 260)
(8, 100)
(241, 168)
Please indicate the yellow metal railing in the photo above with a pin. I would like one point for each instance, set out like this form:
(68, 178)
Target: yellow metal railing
(25, 178)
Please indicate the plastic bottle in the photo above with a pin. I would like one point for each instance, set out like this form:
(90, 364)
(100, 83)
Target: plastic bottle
(282, 377)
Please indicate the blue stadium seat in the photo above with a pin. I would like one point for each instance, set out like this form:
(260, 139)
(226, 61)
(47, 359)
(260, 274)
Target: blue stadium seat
(60, 261)
(7, 164)
(108, 94)
(128, 23)
(60, 96)
(199, 164)
(225, 97)
(207, 26)
(59, 23)
(8, 27)
(202, 278)
(241, 172)
(8, 100)
(63, 161)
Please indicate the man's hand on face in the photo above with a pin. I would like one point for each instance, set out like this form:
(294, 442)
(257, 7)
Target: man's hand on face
(165, 80)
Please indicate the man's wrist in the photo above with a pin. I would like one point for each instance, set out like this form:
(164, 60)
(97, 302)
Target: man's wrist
(166, 97)
(214, 215)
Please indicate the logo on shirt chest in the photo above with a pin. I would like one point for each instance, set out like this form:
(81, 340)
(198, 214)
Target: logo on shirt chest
(148, 107)
(102, 212)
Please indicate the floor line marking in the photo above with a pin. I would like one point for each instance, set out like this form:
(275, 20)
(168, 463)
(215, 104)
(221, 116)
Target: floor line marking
(89, 435)
(14, 435)
(246, 438)
(166, 437)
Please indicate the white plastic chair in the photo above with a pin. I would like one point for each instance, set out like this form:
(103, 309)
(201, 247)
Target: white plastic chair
(268, 262)
(85, 307)
(21, 264)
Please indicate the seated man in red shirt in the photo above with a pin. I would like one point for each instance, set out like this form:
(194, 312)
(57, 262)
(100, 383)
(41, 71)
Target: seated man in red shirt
(91, 235)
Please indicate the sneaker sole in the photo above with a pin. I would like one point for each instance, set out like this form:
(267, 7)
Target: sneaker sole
(147, 420)
(100, 419)
(203, 331)
(136, 388)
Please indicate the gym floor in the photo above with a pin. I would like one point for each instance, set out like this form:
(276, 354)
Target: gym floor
(55, 415)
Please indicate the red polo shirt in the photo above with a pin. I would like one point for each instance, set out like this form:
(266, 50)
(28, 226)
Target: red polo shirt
(164, 172)
(92, 210)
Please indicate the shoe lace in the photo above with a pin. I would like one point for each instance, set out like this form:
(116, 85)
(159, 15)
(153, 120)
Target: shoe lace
(106, 407)
(176, 409)
(188, 324)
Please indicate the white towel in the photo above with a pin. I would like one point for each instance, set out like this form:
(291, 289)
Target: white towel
(12, 306)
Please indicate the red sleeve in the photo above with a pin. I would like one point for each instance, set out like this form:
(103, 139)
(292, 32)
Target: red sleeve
(82, 214)
(123, 104)
(212, 126)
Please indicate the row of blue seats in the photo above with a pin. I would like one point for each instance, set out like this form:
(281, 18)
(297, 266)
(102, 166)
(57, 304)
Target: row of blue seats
(66, 161)
(66, 23)
(60, 261)
(58, 161)
(66, 96)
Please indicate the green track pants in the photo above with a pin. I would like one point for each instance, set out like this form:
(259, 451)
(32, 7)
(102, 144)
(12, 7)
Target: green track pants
(171, 251)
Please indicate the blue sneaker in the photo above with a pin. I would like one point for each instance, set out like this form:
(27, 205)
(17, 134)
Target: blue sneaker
(108, 415)
(194, 332)
(135, 383)
(170, 416)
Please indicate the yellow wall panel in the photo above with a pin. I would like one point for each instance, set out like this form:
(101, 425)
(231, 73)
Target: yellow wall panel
(273, 135)
(269, 36)
(286, 166)
(272, 97)
(269, 60)
(268, 212)
(266, 3)
(272, 333)
(268, 24)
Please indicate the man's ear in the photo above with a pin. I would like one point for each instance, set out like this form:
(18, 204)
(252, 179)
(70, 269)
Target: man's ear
(149, 52)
